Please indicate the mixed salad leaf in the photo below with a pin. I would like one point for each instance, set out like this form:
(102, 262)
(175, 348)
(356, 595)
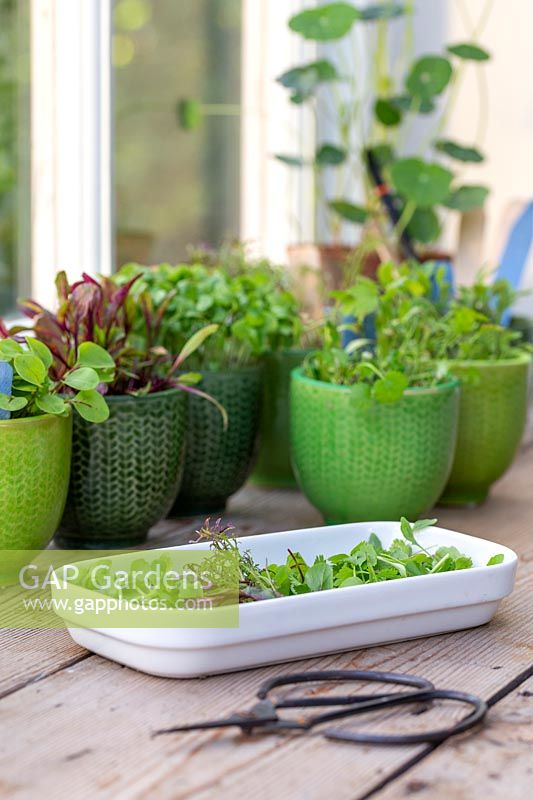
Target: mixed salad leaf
(367, 562)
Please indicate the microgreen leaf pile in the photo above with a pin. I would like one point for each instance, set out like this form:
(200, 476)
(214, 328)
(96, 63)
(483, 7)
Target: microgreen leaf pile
(367, 562)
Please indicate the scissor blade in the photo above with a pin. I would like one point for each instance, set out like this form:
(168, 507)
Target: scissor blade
(263, 713)
(235, 719)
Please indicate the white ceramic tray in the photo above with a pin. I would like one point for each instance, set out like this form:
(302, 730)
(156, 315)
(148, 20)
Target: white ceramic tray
(289, 628)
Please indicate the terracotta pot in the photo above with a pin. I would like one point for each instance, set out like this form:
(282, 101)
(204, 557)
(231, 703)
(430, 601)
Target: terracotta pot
(435, 255)
(321, 268)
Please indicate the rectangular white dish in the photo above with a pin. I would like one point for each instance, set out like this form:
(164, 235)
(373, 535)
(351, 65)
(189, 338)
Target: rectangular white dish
(290, 628)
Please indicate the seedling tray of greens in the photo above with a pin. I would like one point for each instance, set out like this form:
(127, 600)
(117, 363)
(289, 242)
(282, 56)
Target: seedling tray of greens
(398, 580)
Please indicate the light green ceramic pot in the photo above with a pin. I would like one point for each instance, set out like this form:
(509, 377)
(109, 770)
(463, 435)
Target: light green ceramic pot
(273, 467)
(492, 419)
(34, 476)
(378, 463)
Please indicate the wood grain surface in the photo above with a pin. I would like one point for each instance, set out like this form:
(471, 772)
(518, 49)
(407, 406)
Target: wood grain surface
(74, 725)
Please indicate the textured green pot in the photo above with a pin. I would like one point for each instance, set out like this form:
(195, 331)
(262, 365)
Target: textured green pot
(273, 467)
(523, 326)
(126, 471)
(492, 419)
(378, 463)
(218, 462)
(34, 475)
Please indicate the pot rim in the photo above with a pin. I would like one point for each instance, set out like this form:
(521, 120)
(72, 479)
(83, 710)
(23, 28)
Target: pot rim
(291, 351)
(5, 423)
(453, 383)
(487, 363)
(130, 398)
(227, 373)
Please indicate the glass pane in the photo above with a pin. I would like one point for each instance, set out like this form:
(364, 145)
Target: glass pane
(173, 186)
(14, 151)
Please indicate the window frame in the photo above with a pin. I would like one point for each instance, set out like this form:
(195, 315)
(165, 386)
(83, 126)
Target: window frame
(274, 197)
(71, 138)
(72, 201)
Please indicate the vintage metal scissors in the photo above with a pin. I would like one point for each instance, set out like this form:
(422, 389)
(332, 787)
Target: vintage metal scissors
(263, 717)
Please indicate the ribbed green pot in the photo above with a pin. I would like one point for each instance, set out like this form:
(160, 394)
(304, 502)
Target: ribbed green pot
(378, 463)
(126, 471)
(218, 462)
(492, 419)
(34, 475)
(273, 467)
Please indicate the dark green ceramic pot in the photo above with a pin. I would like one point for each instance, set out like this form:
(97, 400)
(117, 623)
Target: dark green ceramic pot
(34, 476)
(523, 326)
(378, 463)
(125, 472)
(273, 467)
(492, 419)
(218, 462)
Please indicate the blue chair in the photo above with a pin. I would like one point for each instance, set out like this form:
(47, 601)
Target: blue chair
(368, 331)
(516, 252)
(448, 278)
(512, 268)
(6, 380)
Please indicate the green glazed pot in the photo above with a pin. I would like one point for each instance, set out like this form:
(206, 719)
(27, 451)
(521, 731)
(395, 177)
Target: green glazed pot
(126, 471)
(34, 475)
(523, 326)
(492, 419)
(218, 462)
(378, 463)
(273, 467)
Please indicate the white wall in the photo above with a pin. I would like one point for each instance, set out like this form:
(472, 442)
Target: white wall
(507, 137)
(274, 199)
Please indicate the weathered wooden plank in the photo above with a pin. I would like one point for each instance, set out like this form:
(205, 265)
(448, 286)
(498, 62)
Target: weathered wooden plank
(27, 656)
(494, 764)
(89, 725)
(252, 511)
(31, 655)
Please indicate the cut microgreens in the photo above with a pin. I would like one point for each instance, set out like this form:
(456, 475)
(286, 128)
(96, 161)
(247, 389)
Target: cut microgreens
(368, 562)
(408, 530)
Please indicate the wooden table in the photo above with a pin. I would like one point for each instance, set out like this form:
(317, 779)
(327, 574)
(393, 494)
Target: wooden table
(73, 725)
